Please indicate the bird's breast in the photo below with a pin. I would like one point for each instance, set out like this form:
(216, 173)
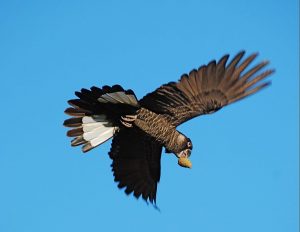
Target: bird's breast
(158, 127)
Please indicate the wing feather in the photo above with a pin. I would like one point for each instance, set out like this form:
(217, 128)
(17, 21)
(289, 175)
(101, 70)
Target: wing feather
(208, 89)
(136, 163)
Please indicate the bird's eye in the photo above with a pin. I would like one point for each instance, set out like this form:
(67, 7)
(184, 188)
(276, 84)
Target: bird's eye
(189, 145)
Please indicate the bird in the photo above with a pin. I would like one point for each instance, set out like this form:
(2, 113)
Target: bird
(140, 129)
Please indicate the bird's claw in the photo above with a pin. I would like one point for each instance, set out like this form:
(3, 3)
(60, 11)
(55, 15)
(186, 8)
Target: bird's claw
(127, 120)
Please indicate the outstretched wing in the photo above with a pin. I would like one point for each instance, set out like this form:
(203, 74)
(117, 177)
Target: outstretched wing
(208, 89)
(136, 163)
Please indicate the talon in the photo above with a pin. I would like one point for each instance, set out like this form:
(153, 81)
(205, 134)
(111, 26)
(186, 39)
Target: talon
(129, 118)
(124, 119)
(126, 124)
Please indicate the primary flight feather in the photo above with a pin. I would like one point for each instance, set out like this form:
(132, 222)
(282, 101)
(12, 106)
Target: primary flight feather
(141, 128)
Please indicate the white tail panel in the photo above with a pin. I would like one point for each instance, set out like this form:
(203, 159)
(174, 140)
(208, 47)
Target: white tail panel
(97, 132)
(104, 136)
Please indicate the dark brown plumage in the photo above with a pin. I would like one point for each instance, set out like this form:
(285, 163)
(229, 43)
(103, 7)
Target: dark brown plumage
(140, 129)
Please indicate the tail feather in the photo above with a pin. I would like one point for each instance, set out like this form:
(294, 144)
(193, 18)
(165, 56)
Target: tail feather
(76, 112)
(96, 114)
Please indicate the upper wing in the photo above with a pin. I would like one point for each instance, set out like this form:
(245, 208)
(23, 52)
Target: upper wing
(207, 89)
(136, 163)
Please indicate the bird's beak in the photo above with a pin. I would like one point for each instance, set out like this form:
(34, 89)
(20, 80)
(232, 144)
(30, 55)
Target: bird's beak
(183, 159)
(184, 162)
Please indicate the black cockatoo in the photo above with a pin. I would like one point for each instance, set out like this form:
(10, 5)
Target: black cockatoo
(141, 128)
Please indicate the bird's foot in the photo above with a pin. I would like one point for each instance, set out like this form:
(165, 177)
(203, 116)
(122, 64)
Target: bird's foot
(127, 120)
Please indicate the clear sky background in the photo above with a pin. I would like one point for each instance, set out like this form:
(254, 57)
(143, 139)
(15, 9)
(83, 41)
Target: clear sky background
(245, 174)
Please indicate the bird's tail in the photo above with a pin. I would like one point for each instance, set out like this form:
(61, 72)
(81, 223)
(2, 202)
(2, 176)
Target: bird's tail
(98, 113)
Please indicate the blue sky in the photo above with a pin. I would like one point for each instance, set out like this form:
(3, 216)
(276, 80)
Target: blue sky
(245, 174)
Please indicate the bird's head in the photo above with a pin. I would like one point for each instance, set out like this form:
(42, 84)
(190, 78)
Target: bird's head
(186, 149)
(185, 152)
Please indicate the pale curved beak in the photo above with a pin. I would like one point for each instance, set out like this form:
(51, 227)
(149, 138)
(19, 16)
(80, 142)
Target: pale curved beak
(183, 158)
(185, 162)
